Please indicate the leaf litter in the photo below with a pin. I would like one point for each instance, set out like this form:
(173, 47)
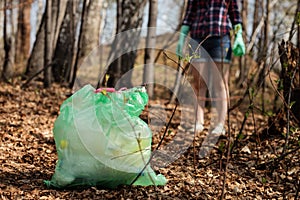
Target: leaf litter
(28, 156)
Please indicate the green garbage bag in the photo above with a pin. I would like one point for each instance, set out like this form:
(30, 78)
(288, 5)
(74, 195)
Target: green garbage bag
(101, 140)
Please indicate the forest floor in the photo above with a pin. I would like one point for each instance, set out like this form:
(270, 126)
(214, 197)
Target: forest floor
(256, 167)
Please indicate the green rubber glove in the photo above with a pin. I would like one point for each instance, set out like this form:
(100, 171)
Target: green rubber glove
(183, 33)
(238, 45)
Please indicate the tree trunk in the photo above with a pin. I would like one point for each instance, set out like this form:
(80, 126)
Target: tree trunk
(243, 72)
(48, 44)
(130, 16)
(289, 57)
(39, 14)
(148, 76)
(89, 32)
(36, 60)
(64, 51)
(264, 53)
(76, 64)
(23, 35)
(9, 46)
(179, 64)
(256, 16)
(91, 28)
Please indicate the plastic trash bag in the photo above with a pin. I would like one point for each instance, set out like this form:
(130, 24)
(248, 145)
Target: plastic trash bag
(101, 140)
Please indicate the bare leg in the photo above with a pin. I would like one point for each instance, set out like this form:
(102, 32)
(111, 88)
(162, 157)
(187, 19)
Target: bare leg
(220, 85)
(200, 75)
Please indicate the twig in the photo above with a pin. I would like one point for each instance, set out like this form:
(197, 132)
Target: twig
(137, 140)
(288, 114)
(278, 159)
(36, 74)
(159, 144)
(283, 101)
(251, 81)
(228, 148)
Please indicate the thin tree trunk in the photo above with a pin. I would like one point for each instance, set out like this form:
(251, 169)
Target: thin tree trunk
(243, 61)
(23, 35)
(265, 52)
(256, 17)
(64, 52)
(39, 13)
(48, 45)
(90, 28)
(36, 60)
(130, 17)
(8, 65)
(73, 22)
(179, 64)
(89, 32)
(76, 64)
(148, 75)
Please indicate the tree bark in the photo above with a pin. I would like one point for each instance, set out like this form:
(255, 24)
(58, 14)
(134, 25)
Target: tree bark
(48, 45)
(23, 35)
(76, 64)
(36, 59)
(289, 57)
(256, 16)
(130, 16)
(179, 64)
(243, 61)
(148, 76)
(63, 58)
(91, 28)
(89, 32)
(9, 45)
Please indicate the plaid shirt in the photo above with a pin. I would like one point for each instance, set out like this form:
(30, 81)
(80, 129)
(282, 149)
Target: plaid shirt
(211, 17)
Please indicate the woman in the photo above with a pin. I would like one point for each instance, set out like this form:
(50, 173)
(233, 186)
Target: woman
(209, 24)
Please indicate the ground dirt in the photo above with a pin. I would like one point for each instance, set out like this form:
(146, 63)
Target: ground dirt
(255, 168)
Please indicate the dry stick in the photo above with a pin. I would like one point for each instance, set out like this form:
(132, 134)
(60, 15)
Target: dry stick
(36, 74)
(249, 108)
(240, 101)
(159, 144)
(288, 114)
(251, 102)
(227, 95)
(251, 81)
(137, 139)
(287, 107)
(277, 159)
(257, 142)
(228, 121)
(229, 137)
(183, 71)
(284, 102)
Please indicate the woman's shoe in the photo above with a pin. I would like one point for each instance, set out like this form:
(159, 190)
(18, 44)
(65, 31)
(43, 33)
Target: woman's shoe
(199, 128)
(219, 130)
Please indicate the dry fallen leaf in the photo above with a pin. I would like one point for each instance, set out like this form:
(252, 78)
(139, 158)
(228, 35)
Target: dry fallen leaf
(28, 156)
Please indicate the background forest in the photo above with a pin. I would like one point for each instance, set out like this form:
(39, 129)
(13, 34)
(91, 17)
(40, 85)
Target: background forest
(49, 49)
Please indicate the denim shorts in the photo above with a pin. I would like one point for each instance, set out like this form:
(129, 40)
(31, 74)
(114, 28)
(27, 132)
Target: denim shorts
(214, 48)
